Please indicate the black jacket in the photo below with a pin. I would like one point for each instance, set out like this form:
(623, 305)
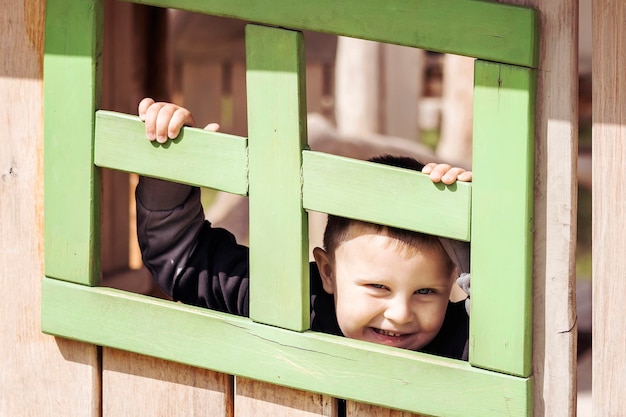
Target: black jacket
(204, 266)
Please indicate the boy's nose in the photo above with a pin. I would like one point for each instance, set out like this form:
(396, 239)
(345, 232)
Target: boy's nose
(399, 312)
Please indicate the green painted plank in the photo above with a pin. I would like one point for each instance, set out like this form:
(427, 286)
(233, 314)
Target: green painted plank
(71, 183)
(196, 156)
(275, 77)
(502, 242)
(331, 365)
(385, 195)
(486, 30)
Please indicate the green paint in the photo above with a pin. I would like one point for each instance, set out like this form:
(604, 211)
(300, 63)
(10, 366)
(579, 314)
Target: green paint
(282, 180)
(482, 29)
(309, 361)
(279, 271)
(71, 182)
(385, 195)
(501, 319)
(196, 157)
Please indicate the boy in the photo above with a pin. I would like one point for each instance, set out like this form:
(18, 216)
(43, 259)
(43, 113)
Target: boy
(370, 282)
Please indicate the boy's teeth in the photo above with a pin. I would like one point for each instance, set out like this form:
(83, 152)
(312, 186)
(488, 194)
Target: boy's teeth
(386, 333)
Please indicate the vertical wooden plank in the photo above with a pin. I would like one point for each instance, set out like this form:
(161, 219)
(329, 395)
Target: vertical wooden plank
(202, 90)
(609, 221)
(138, 386)
(403, 70)
(72, 183)
(365, 410)
(314, 87)
(260, 399)
(455, 143)
(502, 210)
(556, 146)
(357, 86)
(279, 290)
(240, 115)
(37, 371)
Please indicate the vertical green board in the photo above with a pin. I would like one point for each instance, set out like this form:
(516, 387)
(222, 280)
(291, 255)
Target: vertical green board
(502, 209)
(279, 275)
(71, 182)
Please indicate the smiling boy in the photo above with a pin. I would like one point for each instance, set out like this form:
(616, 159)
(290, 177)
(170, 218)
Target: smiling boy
(369, 282)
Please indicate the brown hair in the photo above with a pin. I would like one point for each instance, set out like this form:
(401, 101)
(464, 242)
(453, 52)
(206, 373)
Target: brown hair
(340, 229)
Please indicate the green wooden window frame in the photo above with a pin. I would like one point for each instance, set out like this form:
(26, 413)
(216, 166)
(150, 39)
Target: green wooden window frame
(274, 345)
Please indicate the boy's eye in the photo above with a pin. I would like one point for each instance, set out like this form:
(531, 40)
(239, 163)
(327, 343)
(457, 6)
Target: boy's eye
(377, 286)
(424, 291)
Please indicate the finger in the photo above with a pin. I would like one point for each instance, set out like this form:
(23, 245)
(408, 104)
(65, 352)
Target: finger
(163, 120)
(180, 117)
(143, 106)
(438, 171)
(452, 175)
(213, 127)
(151, 118)
(429, 167)
(465, 177)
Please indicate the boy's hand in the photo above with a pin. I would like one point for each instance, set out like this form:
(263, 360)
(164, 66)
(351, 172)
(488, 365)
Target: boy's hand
(446, 173)
(164, 120)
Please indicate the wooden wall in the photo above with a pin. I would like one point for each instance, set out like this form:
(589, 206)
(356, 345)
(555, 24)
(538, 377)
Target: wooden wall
(40, 375)
(609, 220)
(43, 375)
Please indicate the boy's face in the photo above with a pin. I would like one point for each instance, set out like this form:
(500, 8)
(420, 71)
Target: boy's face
(385, 292)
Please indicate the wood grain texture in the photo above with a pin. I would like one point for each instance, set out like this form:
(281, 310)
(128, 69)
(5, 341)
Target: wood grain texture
(465, 27)
(609, 221)
(135, 386)
(365, 410)
(72, 183)
(502, 210)
(37, 371)
(279, 267)
(214, 160)
(385, 195)
(260, 399)
(309, 361)
(556, 147)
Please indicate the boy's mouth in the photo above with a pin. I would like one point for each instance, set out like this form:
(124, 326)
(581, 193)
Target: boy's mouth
(387, 333)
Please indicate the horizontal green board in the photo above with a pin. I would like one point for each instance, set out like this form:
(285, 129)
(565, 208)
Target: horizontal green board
(485, 30)
(196, 156)
(309, 361)
(385, 195)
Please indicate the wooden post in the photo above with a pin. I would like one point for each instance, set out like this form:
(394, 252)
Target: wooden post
(356, 86)
(554, 298)
(455, 143)
(609, 221)
(41, 375)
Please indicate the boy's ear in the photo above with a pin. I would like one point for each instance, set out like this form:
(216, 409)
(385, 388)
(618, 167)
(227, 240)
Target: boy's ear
(325, 267)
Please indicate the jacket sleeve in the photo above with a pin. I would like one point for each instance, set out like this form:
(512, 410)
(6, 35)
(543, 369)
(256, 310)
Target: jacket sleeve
(191, 261)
